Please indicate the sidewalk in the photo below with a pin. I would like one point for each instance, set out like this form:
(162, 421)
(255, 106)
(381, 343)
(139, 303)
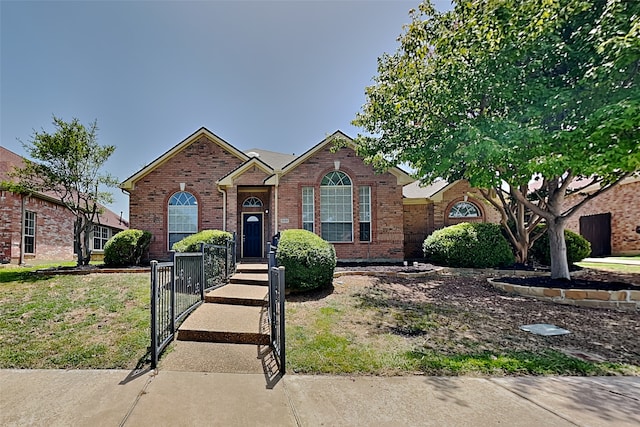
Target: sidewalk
(169, 398)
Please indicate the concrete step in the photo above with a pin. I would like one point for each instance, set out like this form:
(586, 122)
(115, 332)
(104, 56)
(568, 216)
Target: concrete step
(191, 356)
(252, 267)
(239, 295)
(260, 279)
(226, 323)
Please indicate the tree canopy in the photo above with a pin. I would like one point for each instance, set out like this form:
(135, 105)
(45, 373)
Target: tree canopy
(513, 91)
(67, 163)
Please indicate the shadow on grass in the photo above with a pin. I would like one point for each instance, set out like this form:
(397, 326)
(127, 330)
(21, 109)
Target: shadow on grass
(21, 275)
(314, 295)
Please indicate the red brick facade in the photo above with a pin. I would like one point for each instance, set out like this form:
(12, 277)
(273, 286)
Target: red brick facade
(623, 202)
(53, 240)
(423, 216)
(221, 179)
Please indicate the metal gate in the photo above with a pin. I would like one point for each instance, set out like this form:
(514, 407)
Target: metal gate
(597, 230)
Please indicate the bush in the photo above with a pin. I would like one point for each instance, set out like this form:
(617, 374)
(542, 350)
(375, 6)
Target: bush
(578, 248)
(476, 245)
(126, 248)
(309, 261)
(210, 237)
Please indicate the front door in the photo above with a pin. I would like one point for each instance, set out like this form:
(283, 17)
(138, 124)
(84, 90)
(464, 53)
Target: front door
(251, 235)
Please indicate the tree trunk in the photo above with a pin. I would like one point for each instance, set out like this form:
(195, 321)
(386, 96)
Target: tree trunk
(558, 250)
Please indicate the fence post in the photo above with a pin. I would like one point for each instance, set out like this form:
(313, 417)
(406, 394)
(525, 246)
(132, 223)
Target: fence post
(202, 273)
(281, 282)
(154, 314)
(172, 311)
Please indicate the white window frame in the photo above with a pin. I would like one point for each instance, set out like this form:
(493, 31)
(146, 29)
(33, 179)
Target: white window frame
(100, 234)
(308, 208)
(29, 231)
(185, 208)
(364, 198)
(336, 207)
(467, 204)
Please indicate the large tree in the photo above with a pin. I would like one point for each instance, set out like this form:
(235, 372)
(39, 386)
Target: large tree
(506, 92)
(67, 163)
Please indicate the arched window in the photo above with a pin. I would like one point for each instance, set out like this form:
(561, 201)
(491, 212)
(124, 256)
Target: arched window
(336, 207)
(464, 210)
(252, 202)
(183, 216)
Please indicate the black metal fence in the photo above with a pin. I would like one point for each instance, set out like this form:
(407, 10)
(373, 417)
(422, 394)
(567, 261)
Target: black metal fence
(276, 309)
(178, 287)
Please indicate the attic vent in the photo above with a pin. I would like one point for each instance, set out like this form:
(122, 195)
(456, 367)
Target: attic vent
(253, 154)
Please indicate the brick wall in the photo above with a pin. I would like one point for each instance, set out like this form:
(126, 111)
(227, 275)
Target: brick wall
(198, 166)
(420, 220)
(54, 229)
(623, 202)
(386, 204)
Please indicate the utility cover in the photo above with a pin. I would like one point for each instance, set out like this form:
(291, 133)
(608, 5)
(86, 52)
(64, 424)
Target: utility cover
(544, 329)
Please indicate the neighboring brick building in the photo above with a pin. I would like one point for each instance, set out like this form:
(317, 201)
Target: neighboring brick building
(41, 225)
(611, 221)
(206, 183)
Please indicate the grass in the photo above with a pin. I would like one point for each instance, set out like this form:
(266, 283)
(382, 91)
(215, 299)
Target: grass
(92, 321)
(368, 332)
(616, 268)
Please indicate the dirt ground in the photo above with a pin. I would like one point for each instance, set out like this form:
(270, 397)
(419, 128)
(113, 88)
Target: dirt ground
(463, 313)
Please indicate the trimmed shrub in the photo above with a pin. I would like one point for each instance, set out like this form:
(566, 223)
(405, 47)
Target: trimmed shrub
(474, 245)
(309, 260)
(578, 248)
(210, 237)
(126, 248)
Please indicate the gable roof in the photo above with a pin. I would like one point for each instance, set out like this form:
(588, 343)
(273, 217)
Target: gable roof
(10, 160)
(227, 180)
(416, 190)
(129, 183)
(276, 160)
(402, 177)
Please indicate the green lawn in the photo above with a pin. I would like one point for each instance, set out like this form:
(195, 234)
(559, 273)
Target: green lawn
(91, 321)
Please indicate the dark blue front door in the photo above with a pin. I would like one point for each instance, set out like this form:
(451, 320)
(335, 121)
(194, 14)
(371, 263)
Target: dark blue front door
(251, 235)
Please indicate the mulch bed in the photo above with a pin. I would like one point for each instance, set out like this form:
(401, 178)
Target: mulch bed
(576, 283)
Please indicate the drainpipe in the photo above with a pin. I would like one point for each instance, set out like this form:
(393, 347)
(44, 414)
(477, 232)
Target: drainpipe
(276, 203)
(224, 208)
(22, 211)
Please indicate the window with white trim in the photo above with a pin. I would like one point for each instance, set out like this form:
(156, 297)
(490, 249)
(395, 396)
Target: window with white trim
(183, 216)
(464, 210)
(101, 236)
(308, 213)
(364, 193)
(29, 232)
(252, 202)
(336, 207)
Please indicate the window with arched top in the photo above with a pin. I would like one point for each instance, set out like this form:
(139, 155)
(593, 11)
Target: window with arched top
(252, 202)
(336, 207)
(182, 216)
(464, 209)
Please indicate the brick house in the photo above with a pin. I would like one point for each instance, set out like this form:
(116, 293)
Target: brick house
(611, 221)
(205, 183)
(441, 204)
(38, 227)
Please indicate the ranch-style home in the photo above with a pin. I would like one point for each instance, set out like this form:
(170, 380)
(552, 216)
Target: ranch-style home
(204, 182)
(38, 227)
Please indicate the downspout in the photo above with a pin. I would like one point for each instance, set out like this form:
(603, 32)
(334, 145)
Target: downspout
(224, 208)
(276, 203)
(22, 224)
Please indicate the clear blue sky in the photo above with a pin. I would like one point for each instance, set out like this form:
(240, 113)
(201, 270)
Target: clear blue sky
(276, 75)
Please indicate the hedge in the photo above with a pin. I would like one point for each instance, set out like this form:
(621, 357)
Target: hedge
(309, 260)
(578, 248)
(209, 237)
(126, 248)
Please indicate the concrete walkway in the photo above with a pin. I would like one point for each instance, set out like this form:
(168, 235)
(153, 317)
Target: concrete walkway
(168, 398)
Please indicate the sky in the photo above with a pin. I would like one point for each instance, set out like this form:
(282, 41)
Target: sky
(275, 75)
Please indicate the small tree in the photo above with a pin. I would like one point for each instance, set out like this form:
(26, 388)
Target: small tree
(67, 164)
(503, 92)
